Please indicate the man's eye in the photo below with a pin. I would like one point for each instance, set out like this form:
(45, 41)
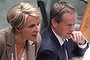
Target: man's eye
(69, 25)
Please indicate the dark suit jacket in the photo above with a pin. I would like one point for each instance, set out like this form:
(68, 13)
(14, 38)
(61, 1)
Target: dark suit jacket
(7, 45)
(51, 49)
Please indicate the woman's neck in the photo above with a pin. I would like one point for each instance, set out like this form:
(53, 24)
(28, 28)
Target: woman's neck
(19, 40)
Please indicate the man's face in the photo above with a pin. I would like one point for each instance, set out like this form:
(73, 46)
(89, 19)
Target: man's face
(65, 28)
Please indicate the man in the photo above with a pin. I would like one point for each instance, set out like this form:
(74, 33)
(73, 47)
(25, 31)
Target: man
(59, 40)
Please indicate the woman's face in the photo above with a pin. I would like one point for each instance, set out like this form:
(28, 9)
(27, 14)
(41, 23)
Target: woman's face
(31, 28)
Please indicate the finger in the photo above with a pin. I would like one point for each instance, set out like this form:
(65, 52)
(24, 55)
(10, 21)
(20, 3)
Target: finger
(74, 36)
(77, 37)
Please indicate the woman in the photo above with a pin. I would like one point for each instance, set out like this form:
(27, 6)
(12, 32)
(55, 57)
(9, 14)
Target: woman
(22, 39)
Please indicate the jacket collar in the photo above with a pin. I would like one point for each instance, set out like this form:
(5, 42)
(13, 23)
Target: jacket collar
(11, 46)
(10, 43)
(53, 37)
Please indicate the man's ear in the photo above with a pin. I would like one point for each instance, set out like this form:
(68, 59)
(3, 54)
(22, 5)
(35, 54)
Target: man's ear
(54, 23)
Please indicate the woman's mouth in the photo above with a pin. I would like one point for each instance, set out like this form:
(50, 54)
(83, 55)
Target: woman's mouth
(35, 36)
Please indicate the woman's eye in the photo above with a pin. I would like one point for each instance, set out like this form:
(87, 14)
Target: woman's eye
(38, 24)
(31, 26)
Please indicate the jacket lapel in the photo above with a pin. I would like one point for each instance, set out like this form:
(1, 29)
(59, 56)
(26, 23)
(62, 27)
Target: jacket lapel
(11, 45)
(60, 49)
(30, 50)
(53, 37)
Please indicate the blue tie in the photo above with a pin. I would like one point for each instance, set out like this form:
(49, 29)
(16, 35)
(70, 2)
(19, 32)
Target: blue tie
(65, 43)
(65, 50)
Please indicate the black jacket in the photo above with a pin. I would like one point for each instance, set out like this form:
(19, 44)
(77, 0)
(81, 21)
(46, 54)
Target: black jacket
(51, 49)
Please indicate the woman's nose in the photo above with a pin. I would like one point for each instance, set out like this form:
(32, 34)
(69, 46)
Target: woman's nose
(37, 28)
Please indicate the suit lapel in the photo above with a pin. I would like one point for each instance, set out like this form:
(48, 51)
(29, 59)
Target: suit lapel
(11, 45)
(60, 49)
(53, 37)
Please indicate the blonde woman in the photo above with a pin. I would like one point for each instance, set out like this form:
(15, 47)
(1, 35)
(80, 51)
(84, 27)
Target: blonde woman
(21, 40)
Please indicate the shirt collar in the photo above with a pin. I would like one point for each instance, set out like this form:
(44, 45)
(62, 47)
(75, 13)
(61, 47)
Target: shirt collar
(30, 42)
(59, 38)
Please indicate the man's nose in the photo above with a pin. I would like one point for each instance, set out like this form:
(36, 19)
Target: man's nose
(72, 28)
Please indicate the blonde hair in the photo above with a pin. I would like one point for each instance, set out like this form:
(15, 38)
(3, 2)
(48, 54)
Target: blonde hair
(18, 13)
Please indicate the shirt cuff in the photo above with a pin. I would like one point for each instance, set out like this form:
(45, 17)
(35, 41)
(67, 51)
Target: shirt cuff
(83, 46)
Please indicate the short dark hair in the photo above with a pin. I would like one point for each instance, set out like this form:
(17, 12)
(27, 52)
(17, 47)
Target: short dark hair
(58, 9)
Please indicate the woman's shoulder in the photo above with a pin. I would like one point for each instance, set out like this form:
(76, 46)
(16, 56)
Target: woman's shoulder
(3, 33)
(5, 29)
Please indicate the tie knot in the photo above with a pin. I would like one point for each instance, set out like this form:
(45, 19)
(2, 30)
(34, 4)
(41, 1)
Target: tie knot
(65, 43)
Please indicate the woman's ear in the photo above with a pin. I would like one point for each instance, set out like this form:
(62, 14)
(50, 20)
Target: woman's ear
(17, 29)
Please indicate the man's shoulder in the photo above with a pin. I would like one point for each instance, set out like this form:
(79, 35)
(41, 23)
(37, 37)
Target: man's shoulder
(48, 46)
(46, 32)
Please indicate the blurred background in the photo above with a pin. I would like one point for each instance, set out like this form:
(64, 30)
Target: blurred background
(5, 5)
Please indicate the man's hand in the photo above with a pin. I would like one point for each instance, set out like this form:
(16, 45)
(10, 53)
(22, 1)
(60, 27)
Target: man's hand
(78, 37)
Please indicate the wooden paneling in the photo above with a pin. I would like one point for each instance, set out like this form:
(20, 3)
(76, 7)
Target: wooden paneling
(85, 23)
